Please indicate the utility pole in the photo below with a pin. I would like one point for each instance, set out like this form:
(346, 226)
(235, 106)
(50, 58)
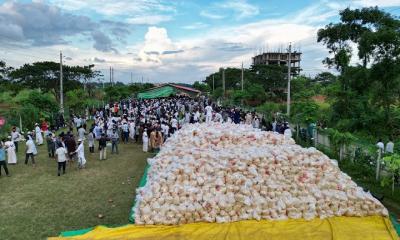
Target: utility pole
(213, 83)
(223, 80)
(289, 75)
(112, 73)
(61, 87)
(242, 77)
(110, 77)
(131, 79)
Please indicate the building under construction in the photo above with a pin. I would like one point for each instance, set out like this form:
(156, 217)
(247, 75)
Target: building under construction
(280, 58)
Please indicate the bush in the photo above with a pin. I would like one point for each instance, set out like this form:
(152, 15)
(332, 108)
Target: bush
(269, 109)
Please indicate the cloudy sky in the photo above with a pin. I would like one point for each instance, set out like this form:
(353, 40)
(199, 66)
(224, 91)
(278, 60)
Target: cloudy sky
(166, 41)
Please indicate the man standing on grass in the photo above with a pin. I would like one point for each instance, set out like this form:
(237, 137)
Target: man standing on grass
(81, 132)
(91, 141)
(125, 132)
(132, 130)
(103, 146)
(30, 150)
(50, 144)
(15, 136)
(61, 153)
(114, 141)
(39, 137)
(71, 145)
(10, 147)
(81, 154)
(3, 160)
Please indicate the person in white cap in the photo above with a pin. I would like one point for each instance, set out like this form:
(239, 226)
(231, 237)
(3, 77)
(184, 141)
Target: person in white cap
(10, 148)
(39, 137)
(81, 154)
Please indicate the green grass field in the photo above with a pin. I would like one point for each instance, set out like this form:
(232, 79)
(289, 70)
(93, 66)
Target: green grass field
(35, 203)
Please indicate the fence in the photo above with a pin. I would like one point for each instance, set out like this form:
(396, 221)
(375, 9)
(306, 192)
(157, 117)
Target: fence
(363, 155)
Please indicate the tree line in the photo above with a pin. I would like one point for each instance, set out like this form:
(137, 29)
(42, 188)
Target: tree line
(32, 92)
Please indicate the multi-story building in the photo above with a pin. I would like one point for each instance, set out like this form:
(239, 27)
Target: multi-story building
(279, 58)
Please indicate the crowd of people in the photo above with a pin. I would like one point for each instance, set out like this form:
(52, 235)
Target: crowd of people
(148, 122)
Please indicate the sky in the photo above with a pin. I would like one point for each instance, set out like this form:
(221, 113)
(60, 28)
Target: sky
(167, 41)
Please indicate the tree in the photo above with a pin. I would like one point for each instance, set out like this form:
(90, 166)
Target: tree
(392, 163)
(374, 84)
(46, 76)
(325, 78)
(117, 92)
(254, 94)
(340, 140)
(301, 88)
(4, 71)
(5, 83)
(201, 86)
(273, 78)
(31, 106)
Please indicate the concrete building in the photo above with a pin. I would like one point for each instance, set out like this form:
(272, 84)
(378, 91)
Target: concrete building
(279, 58)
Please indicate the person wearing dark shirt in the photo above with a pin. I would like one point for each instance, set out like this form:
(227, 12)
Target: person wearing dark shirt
(103, 146)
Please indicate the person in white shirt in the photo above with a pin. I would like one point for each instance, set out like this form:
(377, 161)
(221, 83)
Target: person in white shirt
(208, 113)
(81, 133)
(30, 150)
(10, 148)
(145, 140)
(196, 116)
(81, 154)
(390, 146)
(287, 133)
(91, 141)
(256, 122)
(78, 123)
(218, 117)
(381, 146)
(174, 124)
(125, 132)
(39, 137)
(61, 153)
(132, 130)
(15, 137)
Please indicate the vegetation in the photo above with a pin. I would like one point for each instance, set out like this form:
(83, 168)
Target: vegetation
(392, 163)
(31, 93)
(358, 97)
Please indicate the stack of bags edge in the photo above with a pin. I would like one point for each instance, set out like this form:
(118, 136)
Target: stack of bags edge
(226, 172)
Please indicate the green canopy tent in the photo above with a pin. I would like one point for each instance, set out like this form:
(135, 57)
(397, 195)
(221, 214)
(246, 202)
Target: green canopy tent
(161, 92)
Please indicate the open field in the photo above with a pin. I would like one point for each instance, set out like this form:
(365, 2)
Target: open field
(35, 203)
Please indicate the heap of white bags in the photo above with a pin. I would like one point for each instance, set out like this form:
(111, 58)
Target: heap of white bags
(226, 172)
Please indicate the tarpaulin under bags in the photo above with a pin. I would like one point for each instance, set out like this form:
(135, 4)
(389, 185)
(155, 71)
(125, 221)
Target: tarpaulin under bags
(340, 228)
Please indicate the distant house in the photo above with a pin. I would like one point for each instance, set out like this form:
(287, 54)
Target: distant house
(167, 90)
